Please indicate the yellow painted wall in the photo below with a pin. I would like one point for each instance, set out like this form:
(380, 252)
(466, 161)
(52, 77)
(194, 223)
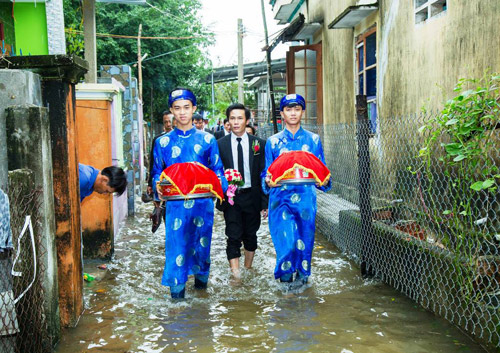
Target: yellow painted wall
(416, 62)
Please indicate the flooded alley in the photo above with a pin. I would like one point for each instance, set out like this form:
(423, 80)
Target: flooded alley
(127, 310)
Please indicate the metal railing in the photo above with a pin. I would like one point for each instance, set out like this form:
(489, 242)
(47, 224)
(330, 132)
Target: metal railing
(23, 323)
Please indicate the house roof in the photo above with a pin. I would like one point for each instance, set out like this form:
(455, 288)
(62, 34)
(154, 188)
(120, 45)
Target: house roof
(353, 15)
(230, 73)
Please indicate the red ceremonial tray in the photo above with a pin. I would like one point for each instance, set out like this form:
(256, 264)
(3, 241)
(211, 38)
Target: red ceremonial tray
(298, 176)
(188, 180)
(170, 192)
(299, 168)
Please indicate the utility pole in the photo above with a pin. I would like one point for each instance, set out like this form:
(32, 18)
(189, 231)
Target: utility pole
(152, 115)
(89, 32)
(213, 90)
(139, 61)
(241, 97)
(270, 87)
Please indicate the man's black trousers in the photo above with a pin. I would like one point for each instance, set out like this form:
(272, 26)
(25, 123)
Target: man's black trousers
(242, 223)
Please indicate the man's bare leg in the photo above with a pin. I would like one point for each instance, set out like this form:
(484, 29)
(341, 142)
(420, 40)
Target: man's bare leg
(249, 258)
(234, 264)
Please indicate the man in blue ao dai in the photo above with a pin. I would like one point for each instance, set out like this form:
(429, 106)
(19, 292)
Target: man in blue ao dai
(292, 208)
(188, 223)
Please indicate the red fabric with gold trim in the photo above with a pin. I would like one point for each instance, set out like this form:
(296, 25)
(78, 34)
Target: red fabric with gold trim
(298, 165)
(192, 178)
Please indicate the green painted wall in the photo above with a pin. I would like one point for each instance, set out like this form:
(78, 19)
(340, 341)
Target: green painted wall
(8, 22)
(31, 29)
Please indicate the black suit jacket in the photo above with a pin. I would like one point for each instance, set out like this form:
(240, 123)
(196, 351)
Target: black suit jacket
(257, 161)
(151, 162)
(219, 134)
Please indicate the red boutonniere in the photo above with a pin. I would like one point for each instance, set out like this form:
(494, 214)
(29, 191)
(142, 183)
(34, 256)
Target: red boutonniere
(255, 147)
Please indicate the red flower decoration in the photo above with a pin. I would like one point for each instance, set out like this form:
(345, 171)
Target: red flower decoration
(256, 147)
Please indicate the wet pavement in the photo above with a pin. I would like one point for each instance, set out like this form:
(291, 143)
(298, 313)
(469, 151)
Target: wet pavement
(127, 309)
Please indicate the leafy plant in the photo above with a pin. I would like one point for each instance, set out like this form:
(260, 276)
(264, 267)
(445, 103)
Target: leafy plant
(460, 142)
(74, 42)
(170, 62)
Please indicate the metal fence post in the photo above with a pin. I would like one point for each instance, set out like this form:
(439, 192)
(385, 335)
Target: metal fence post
(363, 135)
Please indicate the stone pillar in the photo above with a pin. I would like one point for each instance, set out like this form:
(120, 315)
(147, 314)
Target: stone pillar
(16, 87)
(28, 144)
(59, 75)
(55, 26)
(137, 138)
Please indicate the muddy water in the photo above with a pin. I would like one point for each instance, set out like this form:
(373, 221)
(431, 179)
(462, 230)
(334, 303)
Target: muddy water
(127, 310)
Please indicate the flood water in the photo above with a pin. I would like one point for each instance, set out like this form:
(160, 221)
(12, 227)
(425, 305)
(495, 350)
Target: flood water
(127, 309)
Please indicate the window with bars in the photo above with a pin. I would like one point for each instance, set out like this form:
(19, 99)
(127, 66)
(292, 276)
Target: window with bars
(425, 9)
(366, 68)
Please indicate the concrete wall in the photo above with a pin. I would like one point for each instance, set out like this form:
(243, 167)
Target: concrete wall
(16, 88)
(28, 143)
(432, 56)
(59, 74)
(417, 64)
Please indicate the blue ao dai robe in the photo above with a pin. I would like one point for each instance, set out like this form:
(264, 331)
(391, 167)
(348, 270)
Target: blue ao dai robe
(188, 223)
(292, 208)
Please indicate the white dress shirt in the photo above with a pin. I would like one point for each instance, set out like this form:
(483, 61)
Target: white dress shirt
(246, 159)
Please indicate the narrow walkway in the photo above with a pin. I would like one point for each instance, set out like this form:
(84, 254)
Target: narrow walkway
(330, 205)
(127, 310)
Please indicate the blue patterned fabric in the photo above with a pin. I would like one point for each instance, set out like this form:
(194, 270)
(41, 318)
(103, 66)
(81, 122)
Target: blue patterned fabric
(292, 208)
(181, 94)
(5, 230)
(88, 175)
(188, 224)
(292, 99)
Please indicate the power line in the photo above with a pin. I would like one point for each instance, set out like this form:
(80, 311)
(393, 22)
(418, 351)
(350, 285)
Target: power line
(178, 19)
(69, 30)
(163, 54)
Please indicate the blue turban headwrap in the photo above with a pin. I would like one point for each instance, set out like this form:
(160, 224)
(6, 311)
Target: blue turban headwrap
(292, 99)
(181, 94)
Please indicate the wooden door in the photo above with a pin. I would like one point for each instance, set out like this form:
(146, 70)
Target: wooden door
(305, 77)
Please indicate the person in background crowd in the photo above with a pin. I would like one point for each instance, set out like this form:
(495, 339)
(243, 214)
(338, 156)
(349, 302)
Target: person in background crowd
(205, 126)
(225, 131)
(167, 127)
(198, 121)
(250, 129)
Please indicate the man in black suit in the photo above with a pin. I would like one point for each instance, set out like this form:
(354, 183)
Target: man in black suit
(244, 152)
(167, 117)
(226, 130)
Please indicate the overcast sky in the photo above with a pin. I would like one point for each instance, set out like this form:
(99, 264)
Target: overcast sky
(221, 17)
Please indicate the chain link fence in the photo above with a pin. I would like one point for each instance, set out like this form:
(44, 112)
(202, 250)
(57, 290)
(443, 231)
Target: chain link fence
(23, 325)
(421, 225)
